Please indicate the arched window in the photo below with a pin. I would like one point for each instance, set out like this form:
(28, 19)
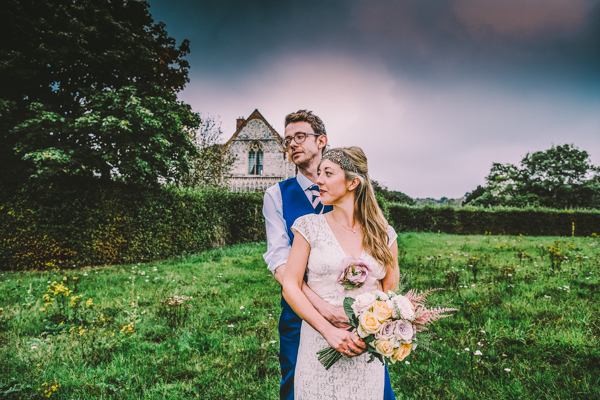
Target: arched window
(255, 159)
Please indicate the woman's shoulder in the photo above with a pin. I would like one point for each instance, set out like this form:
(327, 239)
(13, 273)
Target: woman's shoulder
(307, 221)
(309, 218)
(391, 232)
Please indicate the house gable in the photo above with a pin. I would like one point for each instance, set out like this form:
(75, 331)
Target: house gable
(261, 160)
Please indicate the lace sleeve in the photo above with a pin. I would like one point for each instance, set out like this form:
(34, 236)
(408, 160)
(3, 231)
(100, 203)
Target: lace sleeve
(392, 235)
(302, 226)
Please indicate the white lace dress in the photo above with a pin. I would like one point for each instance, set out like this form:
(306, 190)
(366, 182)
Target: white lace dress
(350, 378)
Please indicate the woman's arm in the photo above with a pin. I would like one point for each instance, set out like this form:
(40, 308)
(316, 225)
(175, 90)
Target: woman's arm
(390, 281)
(339, 339)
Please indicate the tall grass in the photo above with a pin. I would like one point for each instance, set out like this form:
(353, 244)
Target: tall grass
(530, 305)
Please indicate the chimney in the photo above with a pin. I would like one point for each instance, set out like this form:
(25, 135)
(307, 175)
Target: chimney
(240, 121)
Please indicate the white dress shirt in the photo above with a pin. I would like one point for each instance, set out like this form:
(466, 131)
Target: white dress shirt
(278, 240)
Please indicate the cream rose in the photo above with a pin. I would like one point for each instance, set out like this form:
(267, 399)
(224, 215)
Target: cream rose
(384, 347)
(363, 302)
(382, 310)
(400, 353)
(369, 323)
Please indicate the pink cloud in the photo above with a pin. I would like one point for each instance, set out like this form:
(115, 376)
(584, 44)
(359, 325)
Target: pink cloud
(522, 17)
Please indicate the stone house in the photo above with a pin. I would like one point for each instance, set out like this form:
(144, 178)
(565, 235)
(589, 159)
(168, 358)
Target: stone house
(261, 160)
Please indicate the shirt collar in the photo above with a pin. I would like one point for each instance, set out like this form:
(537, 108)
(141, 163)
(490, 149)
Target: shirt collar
(303, 181)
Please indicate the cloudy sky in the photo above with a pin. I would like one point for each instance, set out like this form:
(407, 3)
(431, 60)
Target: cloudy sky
(433, 91)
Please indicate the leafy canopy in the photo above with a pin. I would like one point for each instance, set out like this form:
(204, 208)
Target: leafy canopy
(89, 88)
(560, 177)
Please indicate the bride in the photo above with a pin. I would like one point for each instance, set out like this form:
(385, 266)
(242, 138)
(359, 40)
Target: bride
(355, 228)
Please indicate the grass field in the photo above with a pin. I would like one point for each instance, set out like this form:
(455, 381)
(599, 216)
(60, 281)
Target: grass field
(530, 305)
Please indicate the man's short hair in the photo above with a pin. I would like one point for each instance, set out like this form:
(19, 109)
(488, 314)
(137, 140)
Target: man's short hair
(307, 116)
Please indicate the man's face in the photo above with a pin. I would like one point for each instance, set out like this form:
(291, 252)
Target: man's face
(304, 153)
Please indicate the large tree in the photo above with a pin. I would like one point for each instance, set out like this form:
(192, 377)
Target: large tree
(89, 88)
(562, 176)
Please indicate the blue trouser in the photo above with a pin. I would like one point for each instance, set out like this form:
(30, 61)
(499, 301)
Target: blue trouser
(289, 341)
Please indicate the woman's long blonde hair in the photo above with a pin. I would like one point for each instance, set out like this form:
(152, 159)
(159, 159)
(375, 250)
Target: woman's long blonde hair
(372, 222)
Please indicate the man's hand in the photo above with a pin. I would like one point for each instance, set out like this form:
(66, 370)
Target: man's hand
(336, 317)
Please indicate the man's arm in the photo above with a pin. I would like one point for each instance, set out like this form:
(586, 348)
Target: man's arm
(335, 315)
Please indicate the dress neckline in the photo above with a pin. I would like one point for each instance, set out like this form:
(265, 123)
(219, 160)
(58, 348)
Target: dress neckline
(337, 242)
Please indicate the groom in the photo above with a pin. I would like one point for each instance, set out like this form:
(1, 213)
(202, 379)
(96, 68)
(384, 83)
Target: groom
(305, 139)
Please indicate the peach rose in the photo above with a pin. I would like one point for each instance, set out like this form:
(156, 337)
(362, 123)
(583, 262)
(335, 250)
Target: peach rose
(382, 310)
(384, 347)
(400, 353)
(369, 324)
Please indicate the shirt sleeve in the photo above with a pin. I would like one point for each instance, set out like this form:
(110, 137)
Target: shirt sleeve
(392, 235)
(278, 240)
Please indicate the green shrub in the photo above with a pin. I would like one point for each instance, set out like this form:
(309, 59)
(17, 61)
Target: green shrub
(506, 221)
(108, 223)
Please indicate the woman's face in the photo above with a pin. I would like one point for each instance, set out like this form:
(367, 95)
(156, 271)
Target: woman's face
(332, 182)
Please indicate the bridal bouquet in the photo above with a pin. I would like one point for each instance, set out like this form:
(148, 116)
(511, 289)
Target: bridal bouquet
(391, 324)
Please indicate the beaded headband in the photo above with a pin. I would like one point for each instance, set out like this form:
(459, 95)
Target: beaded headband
(341, 160)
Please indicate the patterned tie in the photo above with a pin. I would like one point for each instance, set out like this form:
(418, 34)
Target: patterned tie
(316, 199)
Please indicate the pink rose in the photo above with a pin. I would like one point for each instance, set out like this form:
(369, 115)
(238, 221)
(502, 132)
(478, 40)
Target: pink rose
(407, 310)
(354, 273)
(403, 330)
(386, 331)
(363, 302)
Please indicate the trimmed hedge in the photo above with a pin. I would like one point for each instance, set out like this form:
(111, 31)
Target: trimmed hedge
(113, 223)
(109, 223)
(505, 221)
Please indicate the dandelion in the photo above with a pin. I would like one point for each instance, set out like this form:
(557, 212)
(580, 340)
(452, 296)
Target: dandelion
(478, 353)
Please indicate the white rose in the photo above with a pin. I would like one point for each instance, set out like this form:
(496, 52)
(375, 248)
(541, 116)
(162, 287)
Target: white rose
(363, 302)
(382, 296)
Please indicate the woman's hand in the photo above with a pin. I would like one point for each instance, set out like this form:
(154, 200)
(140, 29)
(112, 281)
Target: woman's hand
(347, 343)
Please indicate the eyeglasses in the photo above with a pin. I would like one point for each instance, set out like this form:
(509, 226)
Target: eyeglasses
(298, 137)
